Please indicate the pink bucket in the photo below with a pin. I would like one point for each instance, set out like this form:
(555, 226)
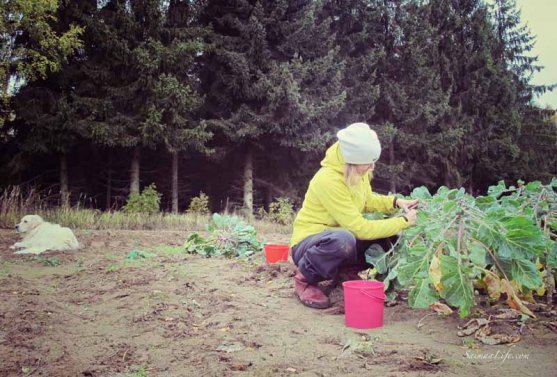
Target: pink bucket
(363, 303)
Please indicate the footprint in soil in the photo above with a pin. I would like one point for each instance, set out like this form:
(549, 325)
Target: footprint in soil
(277, 270)
(97, 244)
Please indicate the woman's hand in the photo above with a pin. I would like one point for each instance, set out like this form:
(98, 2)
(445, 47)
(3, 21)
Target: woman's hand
(409, 207)
(410, 215)
(406, 204)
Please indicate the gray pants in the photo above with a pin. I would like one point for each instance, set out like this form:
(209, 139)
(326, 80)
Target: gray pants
(319, 257)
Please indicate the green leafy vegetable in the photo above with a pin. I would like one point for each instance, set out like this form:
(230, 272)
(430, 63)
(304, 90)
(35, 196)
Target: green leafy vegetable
(228, 235)
(459, 241)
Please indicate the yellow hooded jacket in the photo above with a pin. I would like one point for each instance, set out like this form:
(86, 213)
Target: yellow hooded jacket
(330, 204)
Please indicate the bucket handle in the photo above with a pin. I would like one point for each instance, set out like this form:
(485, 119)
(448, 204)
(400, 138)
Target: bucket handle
(382, 298)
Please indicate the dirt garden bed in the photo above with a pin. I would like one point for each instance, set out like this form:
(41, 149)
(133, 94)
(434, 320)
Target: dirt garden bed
(102, 311)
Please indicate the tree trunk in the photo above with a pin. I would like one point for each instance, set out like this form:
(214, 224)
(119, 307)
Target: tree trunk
(270, 196)
(270, 188)
(109, 181)
(64, 187)
(448, 173)
(248, 184)
(471, 185)
(392, 162)
(174, 181)
(134, 174)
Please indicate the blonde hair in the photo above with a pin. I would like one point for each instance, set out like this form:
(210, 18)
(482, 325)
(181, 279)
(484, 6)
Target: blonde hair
(351, 175)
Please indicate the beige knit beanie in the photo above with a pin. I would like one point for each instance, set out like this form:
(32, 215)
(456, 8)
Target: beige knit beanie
(359, 144)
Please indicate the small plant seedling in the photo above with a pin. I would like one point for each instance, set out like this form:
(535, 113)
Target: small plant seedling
(429, 358)
(138, 372)
(524, 318)
(4, 268)
(138, 255)
(148, 202)
(470, 342)
(49, 262)
(365, 347)
(166, 249)
(111, 267)
(199, 205)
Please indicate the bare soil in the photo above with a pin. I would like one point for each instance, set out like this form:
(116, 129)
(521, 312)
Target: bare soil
(95, 312)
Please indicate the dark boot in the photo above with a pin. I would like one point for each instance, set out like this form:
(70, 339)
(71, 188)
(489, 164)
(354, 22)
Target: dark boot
(349, 273)
(346, 274)
(309, 294)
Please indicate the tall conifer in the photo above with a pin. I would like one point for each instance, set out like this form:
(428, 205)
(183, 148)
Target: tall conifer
(272, 79)
(144, 93)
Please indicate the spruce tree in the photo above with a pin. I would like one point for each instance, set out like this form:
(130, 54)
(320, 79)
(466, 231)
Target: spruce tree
(272, 79)
(531, 133)
(479, 100)
(141, 59)
(392, 84)
(176, 93)
(357, 27)
(45, 123)
(30, 48)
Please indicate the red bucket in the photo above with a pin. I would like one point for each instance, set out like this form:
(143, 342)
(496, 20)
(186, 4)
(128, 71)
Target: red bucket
(363, 303)
(276, 252)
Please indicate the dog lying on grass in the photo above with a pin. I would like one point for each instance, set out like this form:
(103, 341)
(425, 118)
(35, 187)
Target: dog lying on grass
(40, 236)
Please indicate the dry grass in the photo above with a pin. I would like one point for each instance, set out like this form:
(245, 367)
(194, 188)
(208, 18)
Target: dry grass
(16, 203)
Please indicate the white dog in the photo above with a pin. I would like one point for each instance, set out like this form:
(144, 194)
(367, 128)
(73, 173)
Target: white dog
(39, 236)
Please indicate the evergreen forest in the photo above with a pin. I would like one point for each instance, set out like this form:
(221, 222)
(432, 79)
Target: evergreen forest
(239, 99)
